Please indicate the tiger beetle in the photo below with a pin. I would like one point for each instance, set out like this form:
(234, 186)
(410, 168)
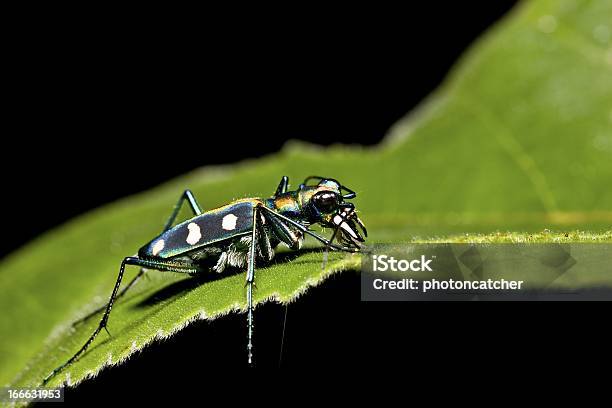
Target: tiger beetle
(239, 234)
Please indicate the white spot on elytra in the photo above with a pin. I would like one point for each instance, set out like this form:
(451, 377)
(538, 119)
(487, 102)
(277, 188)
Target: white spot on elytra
(194, 233)
(158, 246)
(229, 222)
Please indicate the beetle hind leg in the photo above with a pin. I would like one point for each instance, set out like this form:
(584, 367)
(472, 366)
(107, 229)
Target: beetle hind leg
(187, 196)
(145, 263)
(141, 272)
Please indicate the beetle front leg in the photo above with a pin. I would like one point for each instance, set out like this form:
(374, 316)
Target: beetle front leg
(280, 219)
(326, 252)
(286, 235)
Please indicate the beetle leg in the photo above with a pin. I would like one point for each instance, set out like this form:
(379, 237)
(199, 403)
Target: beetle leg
(140, 274)
(195, 207)
(193, 203)
(284, 233)
(305, 230)
(263, 241)
(250, 278)
(170, 266)
(326, 253)
(282, 186)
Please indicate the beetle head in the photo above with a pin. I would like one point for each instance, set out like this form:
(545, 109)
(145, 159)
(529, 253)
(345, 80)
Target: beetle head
(325, 203)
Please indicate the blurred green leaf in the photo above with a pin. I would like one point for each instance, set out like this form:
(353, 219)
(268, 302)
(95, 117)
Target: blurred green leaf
(518, 137)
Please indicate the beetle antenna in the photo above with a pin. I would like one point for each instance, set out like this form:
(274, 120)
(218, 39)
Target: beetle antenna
(349, 193)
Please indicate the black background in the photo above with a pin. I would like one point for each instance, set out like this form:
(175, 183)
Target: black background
(100, 111)
(99, 116)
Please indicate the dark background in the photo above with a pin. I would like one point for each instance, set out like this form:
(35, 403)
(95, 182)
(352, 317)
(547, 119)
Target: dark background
(117, 111)
(100, 111)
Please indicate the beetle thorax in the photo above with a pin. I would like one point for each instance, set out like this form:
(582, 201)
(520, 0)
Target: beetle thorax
(287, 204)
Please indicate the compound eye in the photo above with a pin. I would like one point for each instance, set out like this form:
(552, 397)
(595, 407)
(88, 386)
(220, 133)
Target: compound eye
(326, 202)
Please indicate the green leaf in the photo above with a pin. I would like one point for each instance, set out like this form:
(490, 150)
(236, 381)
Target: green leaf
(518, 137)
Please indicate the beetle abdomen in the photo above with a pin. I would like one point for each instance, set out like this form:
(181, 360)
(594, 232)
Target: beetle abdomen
(221, 224)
